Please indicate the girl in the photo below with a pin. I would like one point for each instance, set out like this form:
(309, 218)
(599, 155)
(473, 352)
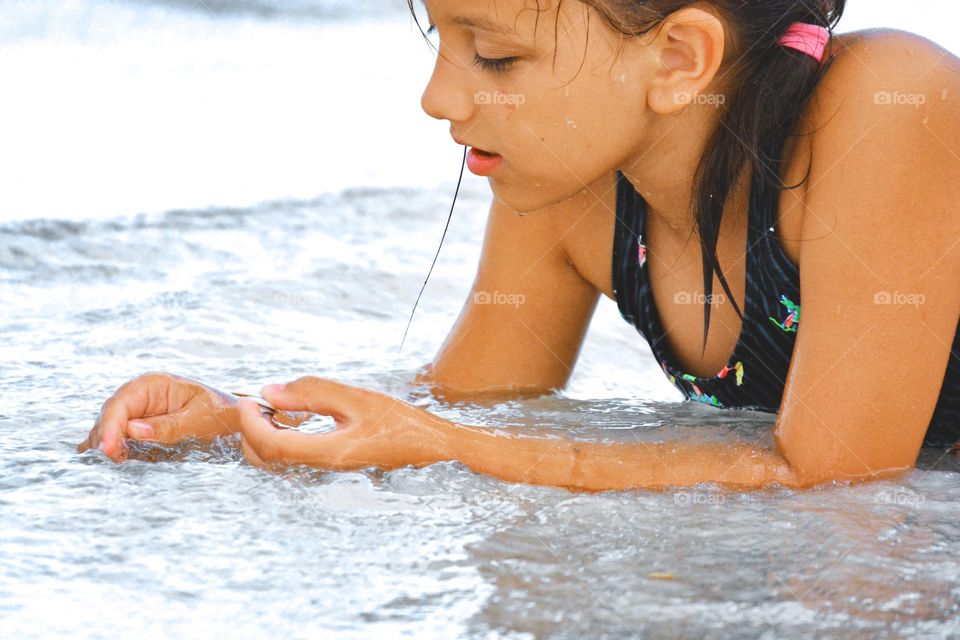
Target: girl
(822, 172)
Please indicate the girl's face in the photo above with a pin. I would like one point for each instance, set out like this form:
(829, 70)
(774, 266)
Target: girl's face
(560, 108)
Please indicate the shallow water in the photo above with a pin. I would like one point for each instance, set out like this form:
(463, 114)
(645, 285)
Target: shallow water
(192, 541)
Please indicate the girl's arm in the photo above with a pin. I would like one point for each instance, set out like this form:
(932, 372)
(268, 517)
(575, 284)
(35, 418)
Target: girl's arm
(879, 263)
(595, 466)
(523, 323)
(377, 430)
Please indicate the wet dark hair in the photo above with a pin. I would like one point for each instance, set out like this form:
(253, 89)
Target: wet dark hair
(766, 87)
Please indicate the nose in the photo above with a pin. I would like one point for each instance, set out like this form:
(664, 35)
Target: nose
(447, 95)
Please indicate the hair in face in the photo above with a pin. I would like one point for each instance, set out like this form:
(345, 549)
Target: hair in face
(766, 86)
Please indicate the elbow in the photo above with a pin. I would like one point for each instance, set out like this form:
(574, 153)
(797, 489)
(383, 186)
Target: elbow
(423, 374)
(817, 472)
(809, 462)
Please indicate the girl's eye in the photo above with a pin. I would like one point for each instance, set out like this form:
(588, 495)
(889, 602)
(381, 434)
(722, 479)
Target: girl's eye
(432, 30)
(497, 66)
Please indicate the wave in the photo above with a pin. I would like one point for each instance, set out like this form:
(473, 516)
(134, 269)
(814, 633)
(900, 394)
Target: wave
(268, 9)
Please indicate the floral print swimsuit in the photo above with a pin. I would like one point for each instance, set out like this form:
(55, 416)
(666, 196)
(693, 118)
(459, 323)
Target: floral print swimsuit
(756, 373)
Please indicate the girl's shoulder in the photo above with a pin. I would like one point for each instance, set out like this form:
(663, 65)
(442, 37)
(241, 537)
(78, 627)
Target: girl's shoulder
(880, 257)
(882, 85)
(890, 99)
(883, 50)
(880, 72)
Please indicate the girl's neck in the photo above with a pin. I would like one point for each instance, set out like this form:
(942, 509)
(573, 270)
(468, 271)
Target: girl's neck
(663, 167)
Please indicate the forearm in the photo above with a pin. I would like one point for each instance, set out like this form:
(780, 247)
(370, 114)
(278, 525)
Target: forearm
(595, 466)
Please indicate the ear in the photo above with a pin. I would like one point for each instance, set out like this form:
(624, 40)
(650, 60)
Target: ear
(687, 52)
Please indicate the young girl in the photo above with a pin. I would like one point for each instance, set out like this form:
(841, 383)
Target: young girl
(821, 172)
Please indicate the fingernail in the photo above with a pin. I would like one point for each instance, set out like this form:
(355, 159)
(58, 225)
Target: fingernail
(272, 389)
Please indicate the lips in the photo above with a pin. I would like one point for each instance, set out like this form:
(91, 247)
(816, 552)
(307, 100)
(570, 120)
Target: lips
(479, 150)
(487, 154)
(483, 163)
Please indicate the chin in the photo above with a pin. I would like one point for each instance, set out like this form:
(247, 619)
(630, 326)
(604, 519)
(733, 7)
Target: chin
(522, 198)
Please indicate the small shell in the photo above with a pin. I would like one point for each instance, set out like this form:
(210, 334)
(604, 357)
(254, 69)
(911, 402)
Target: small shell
(260, 401)
(268, 409)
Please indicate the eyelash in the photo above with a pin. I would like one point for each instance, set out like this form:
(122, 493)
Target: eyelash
(498, 65)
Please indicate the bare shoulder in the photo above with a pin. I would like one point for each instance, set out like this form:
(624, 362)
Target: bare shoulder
(890, 76)
(884, 114)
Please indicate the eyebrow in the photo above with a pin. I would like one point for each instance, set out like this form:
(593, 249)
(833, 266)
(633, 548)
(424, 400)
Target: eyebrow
(482, 23)
(476, 22)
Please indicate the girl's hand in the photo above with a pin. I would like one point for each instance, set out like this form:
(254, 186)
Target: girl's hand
(372, 428)
(162, 407)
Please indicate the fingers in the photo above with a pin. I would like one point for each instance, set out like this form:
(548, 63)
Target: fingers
(86, 444)
(131, 401)
(319, 395)
(250, 455)
(163, 428)
(114, 416)
(144, 395)
(269, 444)
(140, 430)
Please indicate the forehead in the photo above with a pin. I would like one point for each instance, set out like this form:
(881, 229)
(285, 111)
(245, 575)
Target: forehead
(494, 16)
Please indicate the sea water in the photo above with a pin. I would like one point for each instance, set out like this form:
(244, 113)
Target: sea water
(248, 256)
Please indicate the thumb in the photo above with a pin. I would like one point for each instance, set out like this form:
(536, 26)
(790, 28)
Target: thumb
(140, 430)
(156, 428)
(319, 395)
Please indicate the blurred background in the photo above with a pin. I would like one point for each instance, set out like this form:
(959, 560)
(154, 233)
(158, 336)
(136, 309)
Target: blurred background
(114, 107)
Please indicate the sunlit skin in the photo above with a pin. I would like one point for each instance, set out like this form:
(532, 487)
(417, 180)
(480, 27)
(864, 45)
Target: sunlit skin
(879, 213)
(600, 103)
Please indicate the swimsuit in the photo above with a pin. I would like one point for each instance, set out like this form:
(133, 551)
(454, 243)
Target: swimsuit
(755, 376)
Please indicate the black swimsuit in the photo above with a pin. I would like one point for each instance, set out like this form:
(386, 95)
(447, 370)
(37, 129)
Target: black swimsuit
(755, 376)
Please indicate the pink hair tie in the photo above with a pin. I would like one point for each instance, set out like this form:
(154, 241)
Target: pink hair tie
(811, 39)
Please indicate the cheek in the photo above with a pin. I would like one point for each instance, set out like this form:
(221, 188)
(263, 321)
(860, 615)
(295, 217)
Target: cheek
(558, 145)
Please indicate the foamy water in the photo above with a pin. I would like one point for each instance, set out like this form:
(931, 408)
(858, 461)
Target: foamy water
(213, 258)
